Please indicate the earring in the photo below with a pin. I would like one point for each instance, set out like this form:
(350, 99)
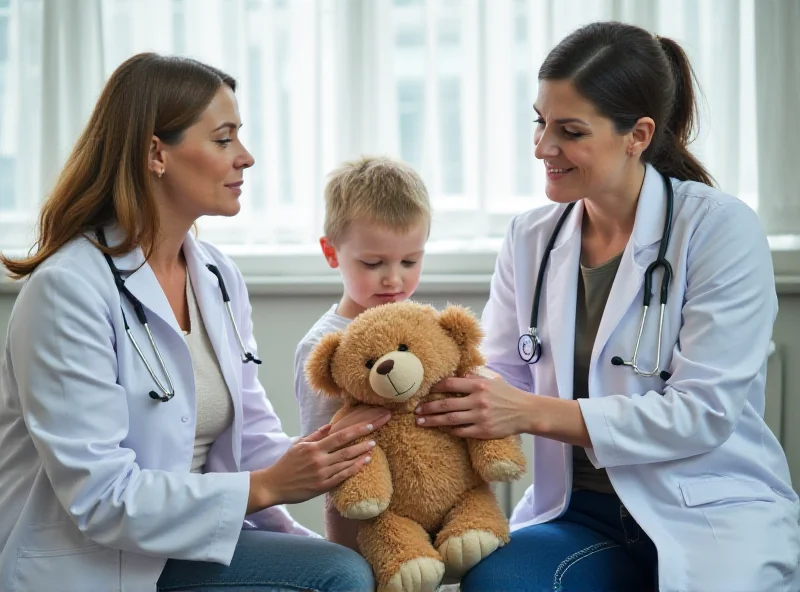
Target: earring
(161, 173)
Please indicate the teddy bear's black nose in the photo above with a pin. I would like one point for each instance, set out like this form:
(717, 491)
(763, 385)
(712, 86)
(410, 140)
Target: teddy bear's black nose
(385, 367)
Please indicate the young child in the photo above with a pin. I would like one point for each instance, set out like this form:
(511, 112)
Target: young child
(377, 220)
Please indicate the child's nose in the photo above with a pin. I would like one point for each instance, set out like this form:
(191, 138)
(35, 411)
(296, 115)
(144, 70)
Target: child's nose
(393, 278)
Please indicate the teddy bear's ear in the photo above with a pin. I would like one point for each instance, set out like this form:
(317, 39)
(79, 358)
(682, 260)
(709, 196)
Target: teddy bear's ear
(465, 330)
(318, 365)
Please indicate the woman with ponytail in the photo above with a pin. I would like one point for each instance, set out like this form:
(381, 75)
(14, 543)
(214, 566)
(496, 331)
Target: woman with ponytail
(653, 468)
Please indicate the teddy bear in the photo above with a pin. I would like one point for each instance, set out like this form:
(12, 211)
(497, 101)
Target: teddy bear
(425, 499)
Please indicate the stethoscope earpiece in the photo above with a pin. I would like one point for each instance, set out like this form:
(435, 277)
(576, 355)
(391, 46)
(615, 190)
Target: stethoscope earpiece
(249, 357)
(156, 397)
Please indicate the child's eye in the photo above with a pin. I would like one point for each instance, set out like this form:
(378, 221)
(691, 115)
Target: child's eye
(402, 347)
(409, 263)
(369, 265)
(370, 364)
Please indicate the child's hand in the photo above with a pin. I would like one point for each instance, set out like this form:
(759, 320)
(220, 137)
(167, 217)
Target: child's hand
(377, 416)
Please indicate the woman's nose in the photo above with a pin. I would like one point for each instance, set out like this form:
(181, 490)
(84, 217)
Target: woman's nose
(544, 147)
(246, 160)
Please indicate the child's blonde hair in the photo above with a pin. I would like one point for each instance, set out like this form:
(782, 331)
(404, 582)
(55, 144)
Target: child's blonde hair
(379, 189)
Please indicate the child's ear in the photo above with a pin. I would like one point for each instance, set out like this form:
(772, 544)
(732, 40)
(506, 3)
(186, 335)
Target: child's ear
(318, 365)
(329, 251)
(465, 330)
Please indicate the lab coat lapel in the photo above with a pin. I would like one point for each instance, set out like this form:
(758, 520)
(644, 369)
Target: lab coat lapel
(561, 290)
(642, 249)
(142, 283)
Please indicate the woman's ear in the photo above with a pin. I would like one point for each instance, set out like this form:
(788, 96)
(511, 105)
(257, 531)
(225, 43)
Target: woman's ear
(465, 330)
(318, 365)
(155, 158)
(641, 135)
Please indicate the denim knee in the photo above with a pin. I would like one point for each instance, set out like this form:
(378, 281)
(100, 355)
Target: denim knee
(349, 571)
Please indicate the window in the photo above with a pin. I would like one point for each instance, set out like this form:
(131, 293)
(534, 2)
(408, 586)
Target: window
(446, 85)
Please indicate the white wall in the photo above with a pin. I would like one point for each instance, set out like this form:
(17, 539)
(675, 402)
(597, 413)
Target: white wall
(282, 320)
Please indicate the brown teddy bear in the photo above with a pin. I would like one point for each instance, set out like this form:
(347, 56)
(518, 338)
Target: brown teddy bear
(422, 483)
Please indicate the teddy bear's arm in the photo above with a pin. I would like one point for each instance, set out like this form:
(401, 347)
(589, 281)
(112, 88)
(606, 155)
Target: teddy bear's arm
(497, 460)
(367, 493)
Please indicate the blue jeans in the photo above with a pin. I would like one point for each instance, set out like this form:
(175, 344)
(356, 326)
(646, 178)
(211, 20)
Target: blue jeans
(594, 547)
(273, 562)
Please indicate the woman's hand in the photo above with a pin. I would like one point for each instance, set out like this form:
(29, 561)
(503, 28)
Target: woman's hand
(313, 465)
(491, 408)
(358, 414)
(494, 409)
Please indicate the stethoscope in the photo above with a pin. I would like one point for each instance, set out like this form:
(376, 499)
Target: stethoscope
(530, 344)
(168, 390)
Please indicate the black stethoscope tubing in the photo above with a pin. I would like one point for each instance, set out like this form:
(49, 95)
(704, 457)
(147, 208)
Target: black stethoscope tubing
(529, 345)
(168, 390)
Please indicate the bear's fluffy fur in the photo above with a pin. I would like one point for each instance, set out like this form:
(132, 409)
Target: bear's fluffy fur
(425, 499)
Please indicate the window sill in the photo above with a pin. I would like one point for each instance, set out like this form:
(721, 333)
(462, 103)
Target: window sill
(448, 268)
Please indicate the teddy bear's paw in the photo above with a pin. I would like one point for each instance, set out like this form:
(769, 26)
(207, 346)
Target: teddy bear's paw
(502, 470)
(461, 553)
(423, 574)
(365, 509)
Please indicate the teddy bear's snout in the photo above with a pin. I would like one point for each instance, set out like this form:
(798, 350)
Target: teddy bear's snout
(397, 375)
(385, 367)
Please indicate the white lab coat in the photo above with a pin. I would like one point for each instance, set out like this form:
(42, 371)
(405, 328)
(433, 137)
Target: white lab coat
(691, 458)
(95, 487)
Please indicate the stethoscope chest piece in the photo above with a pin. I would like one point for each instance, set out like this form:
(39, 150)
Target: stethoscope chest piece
(529, 347)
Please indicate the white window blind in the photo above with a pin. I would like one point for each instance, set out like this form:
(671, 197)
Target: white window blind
(446, 85)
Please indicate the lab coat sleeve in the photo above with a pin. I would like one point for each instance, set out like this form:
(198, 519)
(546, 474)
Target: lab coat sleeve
(500, 315)
(263, 438)
(62, 348)
(728, 313)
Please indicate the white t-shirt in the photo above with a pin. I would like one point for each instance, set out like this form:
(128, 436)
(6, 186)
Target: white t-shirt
(315, 409)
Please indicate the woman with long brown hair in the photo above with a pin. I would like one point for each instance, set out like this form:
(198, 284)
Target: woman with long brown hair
(140, 451)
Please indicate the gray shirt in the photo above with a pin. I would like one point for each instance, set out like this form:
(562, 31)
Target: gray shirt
(594, 285)
(315, 409)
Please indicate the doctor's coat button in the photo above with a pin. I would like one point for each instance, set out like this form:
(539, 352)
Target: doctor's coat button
(184, 419)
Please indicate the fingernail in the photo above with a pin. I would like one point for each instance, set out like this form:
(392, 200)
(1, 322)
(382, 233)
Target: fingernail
(369, 427)
(420, 420)
(366, 460)
(418, 409)
(371, 443)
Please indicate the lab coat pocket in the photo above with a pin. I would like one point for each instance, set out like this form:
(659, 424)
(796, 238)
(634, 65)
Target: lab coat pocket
(724, 490)
(57, 558)
(749, 530)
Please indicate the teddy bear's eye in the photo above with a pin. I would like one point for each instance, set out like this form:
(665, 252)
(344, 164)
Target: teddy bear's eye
(370, 364)
(402, 347)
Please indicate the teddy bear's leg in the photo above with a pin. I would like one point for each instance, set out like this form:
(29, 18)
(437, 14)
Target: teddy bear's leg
(473, 529)
(367, 493)
(497, 460)
(400, 553)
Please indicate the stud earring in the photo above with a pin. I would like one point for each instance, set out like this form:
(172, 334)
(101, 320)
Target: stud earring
(160, 173)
